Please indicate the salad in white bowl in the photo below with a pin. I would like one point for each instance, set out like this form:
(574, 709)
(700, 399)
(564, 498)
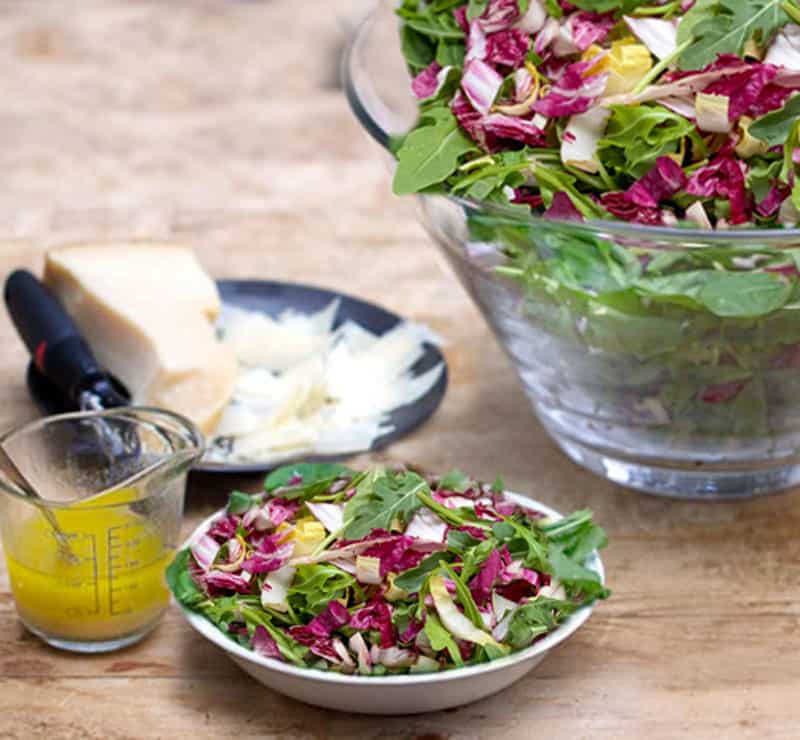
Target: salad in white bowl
(387, 580)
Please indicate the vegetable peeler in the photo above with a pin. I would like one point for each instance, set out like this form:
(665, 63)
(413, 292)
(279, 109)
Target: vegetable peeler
(64, 374)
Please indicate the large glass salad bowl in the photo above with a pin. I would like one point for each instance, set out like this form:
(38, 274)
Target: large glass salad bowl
(664, 359)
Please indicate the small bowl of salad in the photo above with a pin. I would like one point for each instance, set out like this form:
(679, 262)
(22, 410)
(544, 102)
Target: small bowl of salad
(615, 184)
(387, 591)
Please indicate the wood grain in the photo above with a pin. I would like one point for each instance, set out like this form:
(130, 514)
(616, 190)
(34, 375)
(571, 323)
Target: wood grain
(218, 124)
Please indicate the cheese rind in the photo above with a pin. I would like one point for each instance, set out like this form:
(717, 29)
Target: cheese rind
(147, 311)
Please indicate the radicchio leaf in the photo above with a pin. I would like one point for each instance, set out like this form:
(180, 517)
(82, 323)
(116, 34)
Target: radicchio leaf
(572, 93)
(480, 84)
(563, 209)
(507, 48)
(514, 129)
(205, 550)
(334, 616)
(590, 28)
(281, 509)
(482, 583)
(724, 177)
(774, 200)
(375, 616)
(264, 644)
(499, 14)
(661, 183)
(618, 204)
(228, 581)
(426, 83)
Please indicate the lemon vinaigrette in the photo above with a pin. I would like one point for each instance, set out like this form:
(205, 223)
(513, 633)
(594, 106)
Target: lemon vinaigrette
(113, 586)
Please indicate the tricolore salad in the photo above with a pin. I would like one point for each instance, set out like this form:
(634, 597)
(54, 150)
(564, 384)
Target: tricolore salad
(385, 571)
(649, 111)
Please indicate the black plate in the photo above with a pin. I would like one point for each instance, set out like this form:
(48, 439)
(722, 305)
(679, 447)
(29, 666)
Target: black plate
(272, 298)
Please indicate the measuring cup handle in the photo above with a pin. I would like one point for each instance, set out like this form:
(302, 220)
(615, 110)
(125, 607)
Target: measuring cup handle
(51, 336)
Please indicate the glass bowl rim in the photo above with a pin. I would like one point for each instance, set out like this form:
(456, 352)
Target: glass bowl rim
(769, 238)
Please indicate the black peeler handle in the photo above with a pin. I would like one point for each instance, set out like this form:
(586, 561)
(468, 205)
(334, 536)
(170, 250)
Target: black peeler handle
(59, 351)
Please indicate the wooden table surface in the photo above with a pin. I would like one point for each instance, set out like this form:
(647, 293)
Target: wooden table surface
(221, 125)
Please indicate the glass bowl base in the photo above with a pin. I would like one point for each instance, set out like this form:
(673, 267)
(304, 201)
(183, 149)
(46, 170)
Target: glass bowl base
(698, 483)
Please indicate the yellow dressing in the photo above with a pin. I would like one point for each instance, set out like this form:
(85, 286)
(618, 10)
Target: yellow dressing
(115, 588)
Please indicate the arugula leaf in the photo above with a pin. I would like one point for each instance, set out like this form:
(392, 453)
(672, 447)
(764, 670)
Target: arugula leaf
(701, 10)
(473, 558)
(289, 647)
(455, 480)
(774, 128)
(460, 540)
(476, 8)
(536, 618)
(745, 294)
(450, 53)
(315, 478)
(554, 179)
(441, 639)
(489, 174)
(419, 51)
(727, 26)
(465, 597)
(792, 142)
(523, 543)
(577, 577)
(431, 152)
(576, 535)
(442, 26)
(239, 502)
(393, 495)
(453, 517)
(180, 581)
(412, 580)
(222, 612)
(762, 176)
(315, 585)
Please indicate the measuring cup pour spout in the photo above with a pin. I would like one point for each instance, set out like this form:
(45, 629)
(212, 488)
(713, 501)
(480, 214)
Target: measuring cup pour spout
(90, 513)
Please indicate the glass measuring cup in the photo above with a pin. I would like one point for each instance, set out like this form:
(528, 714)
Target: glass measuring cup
(86, 553)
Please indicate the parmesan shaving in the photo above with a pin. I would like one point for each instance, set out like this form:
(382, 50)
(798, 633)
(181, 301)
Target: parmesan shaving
(305, 387)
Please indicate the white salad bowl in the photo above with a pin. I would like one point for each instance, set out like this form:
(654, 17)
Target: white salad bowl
(402, 694)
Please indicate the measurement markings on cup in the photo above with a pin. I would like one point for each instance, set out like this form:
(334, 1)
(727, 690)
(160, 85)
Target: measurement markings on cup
(122, 541)
(84, 546)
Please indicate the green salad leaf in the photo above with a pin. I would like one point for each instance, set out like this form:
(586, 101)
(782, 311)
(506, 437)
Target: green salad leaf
(315, 585)
(744, 294)
(572, 574)
(529, 621)
(412, 580)
(431, 152)
(313, 478)
(393, 496)
(774, 128)
(455, 480)
(239, 502)
(441, 639)
(180, 581)
(726, 26)
(636, 136)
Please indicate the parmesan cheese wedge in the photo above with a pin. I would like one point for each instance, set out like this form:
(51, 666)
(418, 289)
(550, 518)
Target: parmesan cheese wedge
(147, 311)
